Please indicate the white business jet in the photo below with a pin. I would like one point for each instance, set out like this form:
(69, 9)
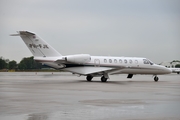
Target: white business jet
(175, 70)
(87, 65)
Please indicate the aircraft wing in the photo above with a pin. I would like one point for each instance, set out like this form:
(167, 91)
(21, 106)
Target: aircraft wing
(89, 70)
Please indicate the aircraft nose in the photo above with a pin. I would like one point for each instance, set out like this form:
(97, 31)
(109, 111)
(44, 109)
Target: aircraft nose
(168, 71)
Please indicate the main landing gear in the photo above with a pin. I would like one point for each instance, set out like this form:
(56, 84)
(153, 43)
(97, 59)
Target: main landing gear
(103, 78)
(156, 78)
(89, 78)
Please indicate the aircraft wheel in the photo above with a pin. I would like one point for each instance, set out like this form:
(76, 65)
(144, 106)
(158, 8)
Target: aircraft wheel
(89, 78)
(103, 79)
(177, 72)
(156, 78)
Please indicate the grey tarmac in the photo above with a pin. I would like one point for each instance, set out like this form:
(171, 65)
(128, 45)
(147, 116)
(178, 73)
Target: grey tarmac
(60, 95)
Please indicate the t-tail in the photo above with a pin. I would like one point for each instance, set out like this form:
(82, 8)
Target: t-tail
(37, 46)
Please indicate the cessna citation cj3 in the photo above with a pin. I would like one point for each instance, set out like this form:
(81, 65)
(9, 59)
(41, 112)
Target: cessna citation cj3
(87, 65)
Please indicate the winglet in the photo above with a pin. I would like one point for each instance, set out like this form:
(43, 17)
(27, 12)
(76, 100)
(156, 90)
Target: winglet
(14, 34)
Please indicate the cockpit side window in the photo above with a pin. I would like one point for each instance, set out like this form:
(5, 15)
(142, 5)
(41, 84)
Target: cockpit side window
(145, 61)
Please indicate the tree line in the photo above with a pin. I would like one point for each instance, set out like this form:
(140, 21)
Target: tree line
(27, 63)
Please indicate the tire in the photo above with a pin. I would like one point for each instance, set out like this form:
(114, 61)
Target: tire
(89, 78)
(103, 79)
(156, 79)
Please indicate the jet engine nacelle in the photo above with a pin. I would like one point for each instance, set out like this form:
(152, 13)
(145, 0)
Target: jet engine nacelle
(79, 58)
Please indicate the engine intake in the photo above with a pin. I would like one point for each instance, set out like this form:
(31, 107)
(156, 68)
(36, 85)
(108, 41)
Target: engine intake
(79, 58)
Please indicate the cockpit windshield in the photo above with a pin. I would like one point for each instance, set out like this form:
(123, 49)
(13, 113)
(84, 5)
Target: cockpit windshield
(146, 61)
(151, 62)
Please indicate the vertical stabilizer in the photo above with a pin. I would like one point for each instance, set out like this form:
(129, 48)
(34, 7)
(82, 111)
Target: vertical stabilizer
(37, 46)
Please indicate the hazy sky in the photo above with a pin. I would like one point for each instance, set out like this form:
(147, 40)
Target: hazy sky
(137, 28)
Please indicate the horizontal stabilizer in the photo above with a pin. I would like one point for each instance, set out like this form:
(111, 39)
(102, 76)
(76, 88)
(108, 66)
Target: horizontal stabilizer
(22, 33)
(14, 34)
(26, 33)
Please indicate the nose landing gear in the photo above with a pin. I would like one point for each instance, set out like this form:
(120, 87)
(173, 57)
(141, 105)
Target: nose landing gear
(156, 78)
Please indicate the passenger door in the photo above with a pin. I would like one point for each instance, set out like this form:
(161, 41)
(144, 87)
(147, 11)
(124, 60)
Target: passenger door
(96, 63)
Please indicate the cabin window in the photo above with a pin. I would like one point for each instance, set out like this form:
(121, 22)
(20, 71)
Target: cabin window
(136, 61)
(110, 61)
(120, 61)
(130, 61)
(125, 61)
(145, 61)
(115, 61)
(105, 61)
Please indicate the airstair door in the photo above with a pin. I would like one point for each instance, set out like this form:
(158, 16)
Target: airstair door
(96, 62)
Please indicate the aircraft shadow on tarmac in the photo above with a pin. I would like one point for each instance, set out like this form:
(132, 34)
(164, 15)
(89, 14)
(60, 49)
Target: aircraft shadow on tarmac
(125, 82)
